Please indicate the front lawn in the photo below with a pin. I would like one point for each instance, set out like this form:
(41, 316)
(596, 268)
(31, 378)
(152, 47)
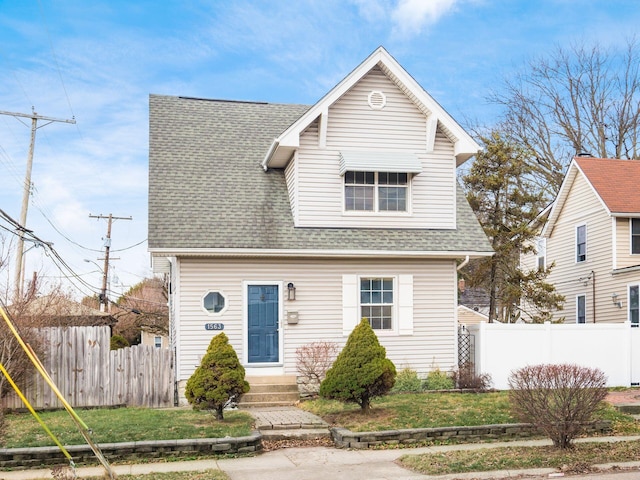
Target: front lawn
(123, 425)
(428, 410)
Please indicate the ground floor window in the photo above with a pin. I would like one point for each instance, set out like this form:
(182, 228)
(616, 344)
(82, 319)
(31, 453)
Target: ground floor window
(581, 309)
(376, 302)
(634, 304)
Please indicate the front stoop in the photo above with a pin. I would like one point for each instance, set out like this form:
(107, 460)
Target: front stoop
(270, 391)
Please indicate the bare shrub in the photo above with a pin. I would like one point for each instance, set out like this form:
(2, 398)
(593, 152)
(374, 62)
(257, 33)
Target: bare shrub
(558, 399)
(467, 379)
(312, 361)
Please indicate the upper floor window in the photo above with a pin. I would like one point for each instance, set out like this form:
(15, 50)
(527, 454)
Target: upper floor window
(634, 304)
(581, 309)
(635, 235)
(157, 342)
(581, 243)
(376, 191)
(541, 253)
(376, 302)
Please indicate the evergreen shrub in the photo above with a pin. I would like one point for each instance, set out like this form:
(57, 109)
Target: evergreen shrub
(218, 380)
(407, 381)
(117, 342)
(362, 371)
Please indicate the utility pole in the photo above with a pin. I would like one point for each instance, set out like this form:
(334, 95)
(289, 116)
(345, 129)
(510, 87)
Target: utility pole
(27, 186)
(107, 247)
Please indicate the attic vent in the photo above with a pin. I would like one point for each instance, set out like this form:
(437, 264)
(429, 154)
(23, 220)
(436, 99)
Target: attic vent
(377, 100)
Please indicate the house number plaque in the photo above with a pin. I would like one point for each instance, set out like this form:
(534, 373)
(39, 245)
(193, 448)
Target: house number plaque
(214, 326)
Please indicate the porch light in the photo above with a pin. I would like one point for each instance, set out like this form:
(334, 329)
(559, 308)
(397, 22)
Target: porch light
(291, 291)
(614, 299)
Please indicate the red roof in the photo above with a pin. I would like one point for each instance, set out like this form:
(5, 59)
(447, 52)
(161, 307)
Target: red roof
(616, 181)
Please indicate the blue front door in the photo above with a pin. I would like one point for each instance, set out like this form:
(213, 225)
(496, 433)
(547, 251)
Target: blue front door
(262, 320)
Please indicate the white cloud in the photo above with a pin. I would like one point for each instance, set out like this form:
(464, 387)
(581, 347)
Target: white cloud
(411, 16)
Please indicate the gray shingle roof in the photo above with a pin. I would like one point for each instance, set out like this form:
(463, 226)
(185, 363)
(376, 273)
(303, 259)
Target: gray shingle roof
(207, 188)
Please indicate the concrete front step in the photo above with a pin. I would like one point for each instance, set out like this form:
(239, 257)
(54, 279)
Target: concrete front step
(268, 391)
(273, 396)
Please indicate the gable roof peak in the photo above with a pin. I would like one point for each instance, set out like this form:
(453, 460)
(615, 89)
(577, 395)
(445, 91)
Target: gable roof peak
(284, 145)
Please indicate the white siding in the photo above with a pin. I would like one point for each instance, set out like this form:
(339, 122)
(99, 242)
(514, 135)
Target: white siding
(624, 258)
(571, 278)
(291, 177)
(352, 124)
(319, 290)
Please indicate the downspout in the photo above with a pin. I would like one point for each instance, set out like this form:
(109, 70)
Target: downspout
(593, 288)
(463, 264)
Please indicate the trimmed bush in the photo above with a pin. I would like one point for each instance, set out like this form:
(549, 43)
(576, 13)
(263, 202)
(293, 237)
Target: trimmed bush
(407, 381)
(362, 371)
(117, 342)
(438, 380)
(558, 399)
(218, 380)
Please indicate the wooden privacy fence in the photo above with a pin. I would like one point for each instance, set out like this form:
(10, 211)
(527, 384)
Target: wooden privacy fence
(89, 374)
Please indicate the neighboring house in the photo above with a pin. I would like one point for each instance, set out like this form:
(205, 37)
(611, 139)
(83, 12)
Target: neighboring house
(286, 224)
(592, 234)
(58, 311)
(153, 338)
(469, 316)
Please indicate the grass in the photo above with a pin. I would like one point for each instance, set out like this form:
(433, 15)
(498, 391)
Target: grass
(123, 425)
(198, 475)
(580, 458)
(426, 410)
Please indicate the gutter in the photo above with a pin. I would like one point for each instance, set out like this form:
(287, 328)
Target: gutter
(272, 149)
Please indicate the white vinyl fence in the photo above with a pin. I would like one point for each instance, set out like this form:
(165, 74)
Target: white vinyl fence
(89, 374)
(501, 348)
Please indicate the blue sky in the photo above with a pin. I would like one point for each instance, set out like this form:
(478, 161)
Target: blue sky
(99, 60)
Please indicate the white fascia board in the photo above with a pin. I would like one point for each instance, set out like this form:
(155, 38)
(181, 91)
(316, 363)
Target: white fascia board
(561, 197)
(265, 252)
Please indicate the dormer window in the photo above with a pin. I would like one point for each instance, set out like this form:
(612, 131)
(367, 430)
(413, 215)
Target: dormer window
(376, 191)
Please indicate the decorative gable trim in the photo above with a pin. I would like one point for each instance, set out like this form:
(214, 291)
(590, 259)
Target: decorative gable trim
(464, 146)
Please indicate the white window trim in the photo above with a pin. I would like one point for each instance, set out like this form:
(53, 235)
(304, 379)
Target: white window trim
(376, 211)
(575, 243)
(631, 236)
(226, 302)
(581, 295)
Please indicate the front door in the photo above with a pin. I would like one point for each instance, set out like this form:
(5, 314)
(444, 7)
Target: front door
(262, 322)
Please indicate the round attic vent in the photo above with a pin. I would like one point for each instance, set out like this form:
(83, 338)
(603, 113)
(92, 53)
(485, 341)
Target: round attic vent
(377, 100)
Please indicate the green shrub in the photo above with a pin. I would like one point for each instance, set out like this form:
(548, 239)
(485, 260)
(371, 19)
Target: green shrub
(407, 381)
(219, 378)
(362, 371)
(117, 342)
(438, 380)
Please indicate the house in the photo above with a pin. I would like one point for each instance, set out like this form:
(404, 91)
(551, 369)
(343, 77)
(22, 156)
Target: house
(592, 235)
(284, 224)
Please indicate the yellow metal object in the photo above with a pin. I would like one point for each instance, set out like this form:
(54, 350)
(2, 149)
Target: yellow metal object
(35, 414)
(82, 427)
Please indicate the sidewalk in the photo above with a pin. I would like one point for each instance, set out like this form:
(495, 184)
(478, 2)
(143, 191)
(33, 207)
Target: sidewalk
(321, 463)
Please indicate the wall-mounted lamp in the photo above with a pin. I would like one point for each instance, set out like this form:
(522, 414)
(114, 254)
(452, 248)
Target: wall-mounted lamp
(291, 291)
(614, 299)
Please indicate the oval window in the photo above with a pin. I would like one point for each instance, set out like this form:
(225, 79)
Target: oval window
(213, 302)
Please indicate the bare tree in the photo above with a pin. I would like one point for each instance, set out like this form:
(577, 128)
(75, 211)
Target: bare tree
(143, 306)
(580, 99)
